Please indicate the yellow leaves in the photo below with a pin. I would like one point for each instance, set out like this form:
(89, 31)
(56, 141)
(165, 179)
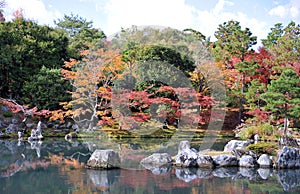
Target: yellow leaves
(71, 63)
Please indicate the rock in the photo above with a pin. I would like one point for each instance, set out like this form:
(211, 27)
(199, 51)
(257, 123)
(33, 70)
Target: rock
(225, 160)
(1, 124)
(235, 144)
(205, 161)
(157, 160)
(104, 159)
(240, 152)
(14, 121)
(256, 138)
(248, 161)
(184, 145)
(36, 134)
(12, 128)
(264, 161)
(186, 158)
(69, 125)
(288, 158)
(29, 125)
(75, 127)
(70, 136)
(4, 108)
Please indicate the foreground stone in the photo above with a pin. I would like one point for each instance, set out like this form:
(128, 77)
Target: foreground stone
(225, 160)
(264, 161)
(288, 158)
(235, 144)
(104, 159)
(157, 159)
(248, 161)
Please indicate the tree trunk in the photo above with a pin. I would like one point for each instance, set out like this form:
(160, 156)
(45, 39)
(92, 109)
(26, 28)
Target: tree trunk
(241, 108)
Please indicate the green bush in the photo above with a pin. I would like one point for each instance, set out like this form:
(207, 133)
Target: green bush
(264, 148)
(263, 130)
(7, 114)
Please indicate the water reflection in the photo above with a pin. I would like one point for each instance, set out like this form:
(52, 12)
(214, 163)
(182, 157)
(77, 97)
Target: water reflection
(57, 166)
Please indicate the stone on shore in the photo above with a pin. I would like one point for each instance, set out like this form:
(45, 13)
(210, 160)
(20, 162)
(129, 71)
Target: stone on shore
(248, 161)
(264, 161)
(157, 159)
(104, 159)
(235, 144)
(225, 160)
(288, 158)
(205, 161)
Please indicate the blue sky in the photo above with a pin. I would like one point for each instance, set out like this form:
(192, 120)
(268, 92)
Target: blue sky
(202, 15)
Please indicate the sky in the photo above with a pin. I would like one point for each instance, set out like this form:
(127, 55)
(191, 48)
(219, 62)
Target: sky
(202, 15)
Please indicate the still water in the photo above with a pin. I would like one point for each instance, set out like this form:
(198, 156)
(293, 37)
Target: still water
(56, 166)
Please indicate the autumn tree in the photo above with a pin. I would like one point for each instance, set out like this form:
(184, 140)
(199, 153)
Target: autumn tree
(283, 97)
(91, 79)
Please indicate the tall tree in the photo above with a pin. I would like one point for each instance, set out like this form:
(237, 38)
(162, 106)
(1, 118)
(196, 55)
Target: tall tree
(283, 97)
(234, 43)
(81, 33)
(25, 47)
(284, 45)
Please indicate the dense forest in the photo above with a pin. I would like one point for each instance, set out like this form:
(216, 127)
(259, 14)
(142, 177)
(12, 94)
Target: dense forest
(176, 78)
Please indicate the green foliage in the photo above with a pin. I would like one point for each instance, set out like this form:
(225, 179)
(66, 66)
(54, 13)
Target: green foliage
(7, 114)
(253, 93)
(81, 34)
(262, 130)
(283, 95)
(232, 41)
(25, 47)
(46, 89)
(264, 148)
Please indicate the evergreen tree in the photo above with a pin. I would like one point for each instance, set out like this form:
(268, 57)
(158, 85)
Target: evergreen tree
(283, 97)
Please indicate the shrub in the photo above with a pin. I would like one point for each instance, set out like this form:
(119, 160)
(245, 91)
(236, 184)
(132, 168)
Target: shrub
(7, 114)
(264, 148)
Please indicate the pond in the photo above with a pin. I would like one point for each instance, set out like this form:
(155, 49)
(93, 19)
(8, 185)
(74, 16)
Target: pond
(57, 166)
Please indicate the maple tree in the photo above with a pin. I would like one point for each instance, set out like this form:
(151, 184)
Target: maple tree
(91, 78)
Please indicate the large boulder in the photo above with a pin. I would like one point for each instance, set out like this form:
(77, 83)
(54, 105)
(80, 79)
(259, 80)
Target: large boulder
(264, 161)
(205, 161)
(157, 159)
(186, 158)
(225, 160)
(288, 158)
(12, 128)
(248, 161)
(104, 159)
(235, 144)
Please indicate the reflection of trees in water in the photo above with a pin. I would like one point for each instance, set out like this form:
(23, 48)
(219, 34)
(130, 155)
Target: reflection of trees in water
(64, 163)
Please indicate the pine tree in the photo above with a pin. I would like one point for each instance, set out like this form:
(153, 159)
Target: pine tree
(283, 97)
